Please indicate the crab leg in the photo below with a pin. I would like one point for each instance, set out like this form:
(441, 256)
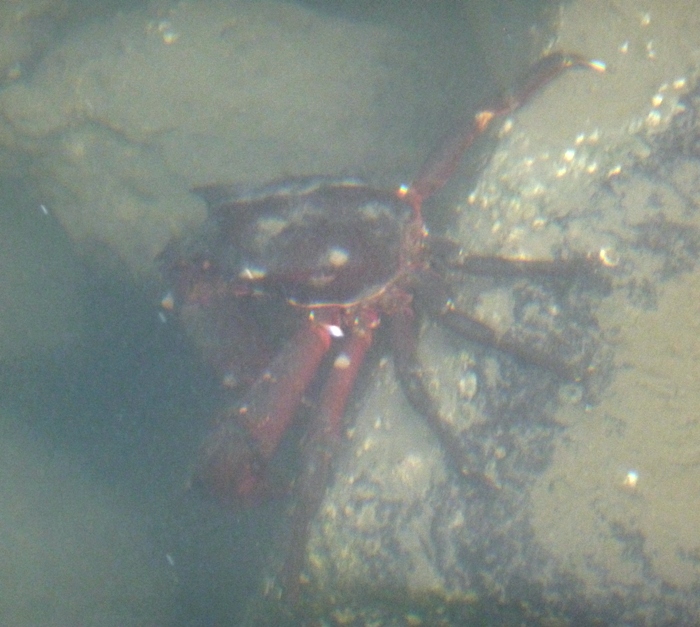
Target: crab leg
(451, 254)
(410, 373)
(443, 161)
(434, 297)
(581, 266)
(276, 396)
(233, 459)
(319, 450)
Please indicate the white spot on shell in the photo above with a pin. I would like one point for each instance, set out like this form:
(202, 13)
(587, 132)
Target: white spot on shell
(337, 257)
(467, 386)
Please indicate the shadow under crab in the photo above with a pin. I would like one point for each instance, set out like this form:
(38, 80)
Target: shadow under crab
(343, 258)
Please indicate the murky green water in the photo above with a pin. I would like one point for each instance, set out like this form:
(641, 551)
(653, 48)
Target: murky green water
(108, 117)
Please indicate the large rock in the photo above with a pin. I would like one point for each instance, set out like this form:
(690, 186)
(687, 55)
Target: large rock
(590, 516)
(125, 115)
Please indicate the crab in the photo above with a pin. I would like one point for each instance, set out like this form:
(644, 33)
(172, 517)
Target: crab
(343, 261)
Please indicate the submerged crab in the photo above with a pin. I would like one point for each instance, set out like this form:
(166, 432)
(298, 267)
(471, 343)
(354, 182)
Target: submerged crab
(342, 259)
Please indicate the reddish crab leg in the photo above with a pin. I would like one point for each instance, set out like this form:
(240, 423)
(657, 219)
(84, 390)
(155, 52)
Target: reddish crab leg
(443, 161)
(341, 382)
(324, 439)
(276, 396)
(233, 460)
